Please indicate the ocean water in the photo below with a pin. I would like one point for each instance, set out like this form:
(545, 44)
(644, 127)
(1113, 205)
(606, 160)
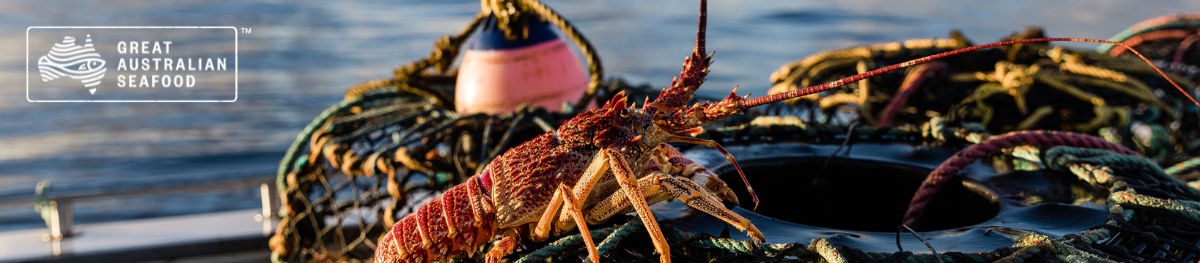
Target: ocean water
(301, 55)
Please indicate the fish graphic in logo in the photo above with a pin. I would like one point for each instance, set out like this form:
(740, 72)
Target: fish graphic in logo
(77, 62)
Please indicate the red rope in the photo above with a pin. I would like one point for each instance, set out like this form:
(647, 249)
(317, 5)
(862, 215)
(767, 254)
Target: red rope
(914, 80)
(993, 145)
(1182, 49)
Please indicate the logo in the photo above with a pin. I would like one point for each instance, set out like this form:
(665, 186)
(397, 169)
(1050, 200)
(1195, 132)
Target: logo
(72, 60)
(132, 64)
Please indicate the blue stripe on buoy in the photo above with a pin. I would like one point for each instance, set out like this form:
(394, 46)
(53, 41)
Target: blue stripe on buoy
(492, 38)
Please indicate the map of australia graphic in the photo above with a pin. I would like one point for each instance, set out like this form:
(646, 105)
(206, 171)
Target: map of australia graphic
(69, 59)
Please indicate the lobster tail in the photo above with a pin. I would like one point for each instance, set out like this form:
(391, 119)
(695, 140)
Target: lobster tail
(451, 224)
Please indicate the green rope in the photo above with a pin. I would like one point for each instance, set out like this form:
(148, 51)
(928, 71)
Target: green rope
(1064, 251)
(1110, 170)
(827, 251)
(1189, 209)
(562, 245)
(727, 244)
(1097, 166)
(620, 233)
(1184, 166)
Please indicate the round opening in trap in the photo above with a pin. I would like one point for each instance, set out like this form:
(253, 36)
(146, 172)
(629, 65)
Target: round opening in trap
(853, 194)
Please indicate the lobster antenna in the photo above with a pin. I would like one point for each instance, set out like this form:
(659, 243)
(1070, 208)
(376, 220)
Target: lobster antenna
(702, 28)
(745, 104)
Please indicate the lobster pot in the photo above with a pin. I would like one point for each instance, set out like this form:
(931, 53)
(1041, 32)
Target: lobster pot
(366, 162)
(1033, 86)
(498, 74)
(394, 143)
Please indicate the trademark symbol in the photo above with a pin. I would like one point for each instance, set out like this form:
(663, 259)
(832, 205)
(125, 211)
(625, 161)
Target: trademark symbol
(245, 30)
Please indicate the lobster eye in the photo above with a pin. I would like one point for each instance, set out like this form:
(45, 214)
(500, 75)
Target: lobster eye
(624, 112)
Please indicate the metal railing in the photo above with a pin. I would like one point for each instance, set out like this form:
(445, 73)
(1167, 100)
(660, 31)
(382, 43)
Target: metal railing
(58, 210)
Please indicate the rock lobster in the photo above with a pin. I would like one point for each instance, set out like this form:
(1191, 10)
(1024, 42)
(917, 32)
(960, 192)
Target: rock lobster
(604, 162)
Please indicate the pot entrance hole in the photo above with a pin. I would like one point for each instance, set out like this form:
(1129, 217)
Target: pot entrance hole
(853, 194)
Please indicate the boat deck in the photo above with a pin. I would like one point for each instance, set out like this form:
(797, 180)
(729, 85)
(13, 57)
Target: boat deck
(233, 236)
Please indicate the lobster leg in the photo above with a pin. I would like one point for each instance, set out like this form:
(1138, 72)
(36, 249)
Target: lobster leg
(503, 247)
(715, 145)
(593, 175)
(571, 206)
(629, 187)
(670, 161)
(666, 160)
(660, 187)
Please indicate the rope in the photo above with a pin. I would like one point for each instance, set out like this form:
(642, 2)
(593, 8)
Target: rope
(944, 172)
(1165, 217)
(563, 245)
(1153, 24)
(1064, 252)
(1102, 168)
(1184, 166)
(1184, 45)
(617, 235)
(445, 50)
(917, 76)
(1116, 96)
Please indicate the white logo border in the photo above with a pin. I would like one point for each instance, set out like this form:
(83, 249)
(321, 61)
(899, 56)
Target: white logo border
(235, 60)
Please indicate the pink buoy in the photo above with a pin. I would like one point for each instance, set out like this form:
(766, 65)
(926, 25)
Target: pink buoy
(498, 75)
